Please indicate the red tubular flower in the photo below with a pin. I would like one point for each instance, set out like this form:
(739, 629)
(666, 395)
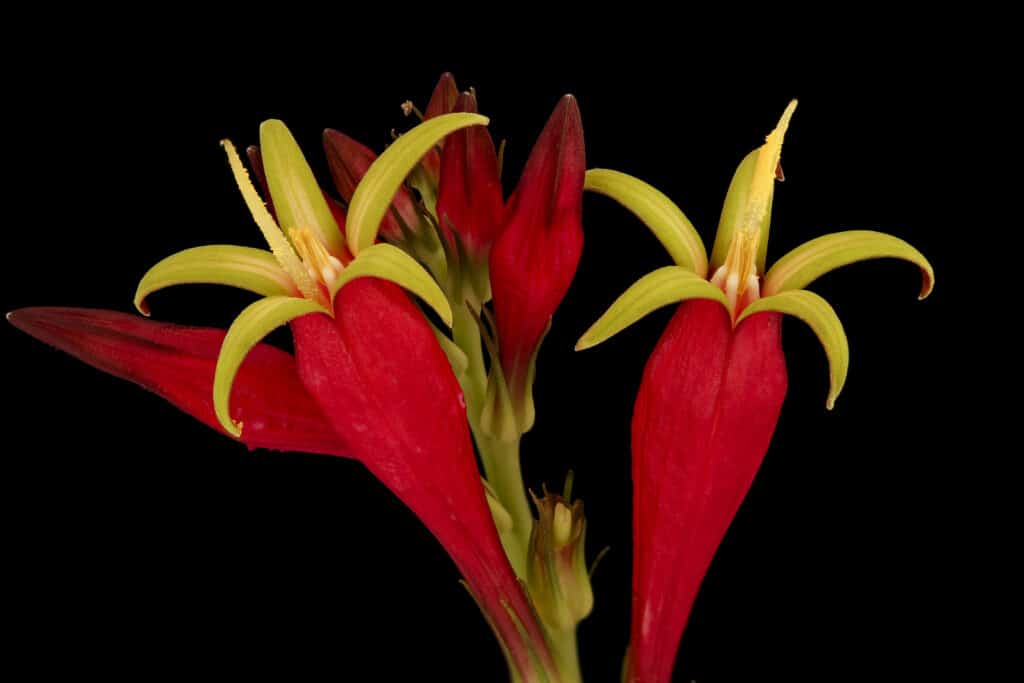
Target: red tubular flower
(402, 411)
(534, 260)
(713, 388)
(704, 415)
(469, 199)
(369, 379)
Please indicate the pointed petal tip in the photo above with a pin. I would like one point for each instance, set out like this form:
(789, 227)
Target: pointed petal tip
(566, 118)
(927, 284)
(25, 319)
(445, 94)
(568, 107)
(336, 136)
(141, 306)
(466, 103)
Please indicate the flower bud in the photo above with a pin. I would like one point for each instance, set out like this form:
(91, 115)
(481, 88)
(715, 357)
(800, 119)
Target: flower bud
(557, 572)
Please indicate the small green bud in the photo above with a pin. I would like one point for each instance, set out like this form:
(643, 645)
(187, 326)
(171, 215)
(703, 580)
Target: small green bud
(557, 571)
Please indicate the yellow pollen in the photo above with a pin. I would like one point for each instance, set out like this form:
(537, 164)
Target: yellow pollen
(740, 268)
(318, 261)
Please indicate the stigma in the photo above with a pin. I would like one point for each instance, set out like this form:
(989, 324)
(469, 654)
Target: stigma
(738, 276)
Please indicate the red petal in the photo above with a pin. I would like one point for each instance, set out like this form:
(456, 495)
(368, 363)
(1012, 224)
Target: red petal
(442, 101)
(470, 197)
(348, 161)
(177, 363)
(535, 258)
(444, 97)
(704, 416)
(381, 378)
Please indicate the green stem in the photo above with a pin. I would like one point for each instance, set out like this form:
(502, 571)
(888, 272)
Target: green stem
(563, 648)
(501, 463)
(500, 458)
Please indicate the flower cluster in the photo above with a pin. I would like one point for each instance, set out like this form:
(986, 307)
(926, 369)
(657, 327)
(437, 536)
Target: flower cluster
(417, 393)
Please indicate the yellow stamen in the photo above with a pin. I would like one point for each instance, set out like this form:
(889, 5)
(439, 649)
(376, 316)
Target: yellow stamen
(268, 226)
(318, 261)
(740, 268)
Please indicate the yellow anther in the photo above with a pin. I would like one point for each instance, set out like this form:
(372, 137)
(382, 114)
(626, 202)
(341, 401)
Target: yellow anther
(318, 261)
(268, 226)
(740, 268)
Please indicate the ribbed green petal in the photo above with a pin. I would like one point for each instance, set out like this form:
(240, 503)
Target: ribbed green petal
(374, 193)
(298, 200)
(811, 260)
(388, 262)
(251, 269)
(249, 328)
(732, 213)
(659, 213)
(662, 287)
(822, 319)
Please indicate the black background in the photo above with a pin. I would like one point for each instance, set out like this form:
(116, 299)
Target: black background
(140, 542)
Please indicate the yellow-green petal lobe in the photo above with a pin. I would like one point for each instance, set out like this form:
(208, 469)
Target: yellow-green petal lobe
(388, 262)
(254, 270)
(732, 213)
(374, 193)
(298, 199)
(659, 213)
(822, 320)
(250, 327)
(668, 285)
(811, 260)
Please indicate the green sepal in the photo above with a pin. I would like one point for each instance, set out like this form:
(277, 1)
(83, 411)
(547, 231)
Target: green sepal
(822, 320)
(732, 213)
(254, 270)
(374, 193)
(542, 672)
(528, 411)
(249, 328)
(509, 661)
(457, 358)
(811, 260)
(502, 519)
(659, 213)
(661, 287)
(421, 181)
(498, 414)
(388, 262)
(298, 200)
